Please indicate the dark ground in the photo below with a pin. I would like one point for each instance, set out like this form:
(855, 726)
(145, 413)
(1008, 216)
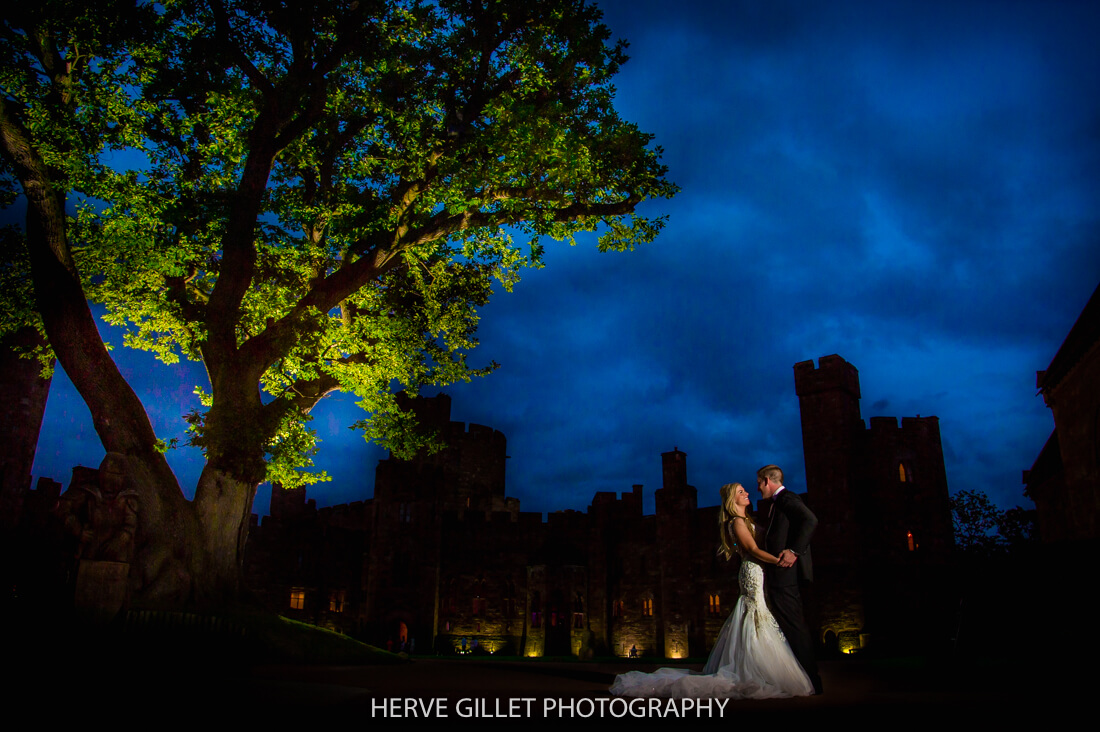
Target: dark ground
(859, 693)
(63, 674)
(856, 689)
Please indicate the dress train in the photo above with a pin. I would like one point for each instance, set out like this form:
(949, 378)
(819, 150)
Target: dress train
(750, 660)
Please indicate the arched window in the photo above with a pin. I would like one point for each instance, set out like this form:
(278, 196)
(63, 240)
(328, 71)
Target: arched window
(903, 474)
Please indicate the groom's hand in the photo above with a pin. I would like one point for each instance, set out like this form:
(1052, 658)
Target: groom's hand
(787, 558)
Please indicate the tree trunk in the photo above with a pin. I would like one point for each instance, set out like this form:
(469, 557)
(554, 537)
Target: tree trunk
(163, 574)
(223, 510)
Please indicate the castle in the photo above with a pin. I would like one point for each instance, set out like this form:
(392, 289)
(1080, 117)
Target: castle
(442, 559)
(1064, 481)
(441, 556)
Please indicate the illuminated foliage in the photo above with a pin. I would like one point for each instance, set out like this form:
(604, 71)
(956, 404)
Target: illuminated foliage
(305, 197)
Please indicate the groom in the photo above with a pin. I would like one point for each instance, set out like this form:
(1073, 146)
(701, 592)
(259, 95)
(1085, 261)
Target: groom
(790, 526)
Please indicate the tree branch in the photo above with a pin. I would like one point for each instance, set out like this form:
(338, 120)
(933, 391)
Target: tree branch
(118, 415)
(221, 33)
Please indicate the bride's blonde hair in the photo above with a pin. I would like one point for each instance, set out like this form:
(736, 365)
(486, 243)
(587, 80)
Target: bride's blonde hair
(725, 521)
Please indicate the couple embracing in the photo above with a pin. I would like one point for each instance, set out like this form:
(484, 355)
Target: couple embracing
(764, 650)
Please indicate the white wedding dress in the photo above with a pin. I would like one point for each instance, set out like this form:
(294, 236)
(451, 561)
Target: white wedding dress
(750, 660)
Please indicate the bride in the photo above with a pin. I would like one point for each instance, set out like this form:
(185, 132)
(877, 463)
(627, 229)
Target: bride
(751, 658)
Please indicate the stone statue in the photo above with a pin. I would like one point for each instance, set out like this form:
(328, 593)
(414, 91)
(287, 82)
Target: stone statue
(103, 514)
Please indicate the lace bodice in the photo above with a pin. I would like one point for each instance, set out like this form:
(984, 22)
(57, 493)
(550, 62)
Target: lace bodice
(751, 580)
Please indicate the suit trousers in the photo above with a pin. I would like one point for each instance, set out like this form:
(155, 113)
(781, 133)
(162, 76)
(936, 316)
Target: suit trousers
(786, 606)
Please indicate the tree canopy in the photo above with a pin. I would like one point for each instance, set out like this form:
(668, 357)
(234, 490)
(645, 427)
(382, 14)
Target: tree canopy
(320, 197)
(983, 530)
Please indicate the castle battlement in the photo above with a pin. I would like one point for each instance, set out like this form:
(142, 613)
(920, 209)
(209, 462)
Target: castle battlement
(608, 503)
(832, 373)
(473, 431)
(880, 424)
(434, 413)
(908, 424)
(919, 423)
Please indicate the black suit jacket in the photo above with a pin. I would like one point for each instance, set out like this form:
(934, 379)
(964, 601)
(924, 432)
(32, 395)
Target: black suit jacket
(791, 526)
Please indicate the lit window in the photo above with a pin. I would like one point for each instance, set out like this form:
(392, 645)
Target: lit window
(903, 476)
(715, 604)
(911, 542)
(336, 601)
(647, 607)
(297, 599)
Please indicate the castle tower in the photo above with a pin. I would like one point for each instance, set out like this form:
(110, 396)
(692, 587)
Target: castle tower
(681, 622)
(880, 495)
(828, 398)
(413, 500)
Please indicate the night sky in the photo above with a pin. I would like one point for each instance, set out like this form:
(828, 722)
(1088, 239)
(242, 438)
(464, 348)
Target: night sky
(913, 186)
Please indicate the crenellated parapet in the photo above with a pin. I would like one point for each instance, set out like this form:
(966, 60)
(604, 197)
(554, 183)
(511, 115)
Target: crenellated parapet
(832, 373)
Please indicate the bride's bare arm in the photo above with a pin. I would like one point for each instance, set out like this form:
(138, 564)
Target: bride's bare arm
(748, 543)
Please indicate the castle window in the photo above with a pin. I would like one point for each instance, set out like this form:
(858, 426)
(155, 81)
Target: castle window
(297, 599)
(715, 604)
(578, 620)
(405, 513)
(618, 608)
(481, 606)
(647, 607)
(911, 542)
(336, 601)
(903, 474)
(536, 619)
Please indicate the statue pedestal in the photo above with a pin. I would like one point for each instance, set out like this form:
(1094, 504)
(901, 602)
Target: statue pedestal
(101, 589)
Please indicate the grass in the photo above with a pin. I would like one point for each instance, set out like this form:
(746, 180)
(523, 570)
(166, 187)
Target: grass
(275, 639)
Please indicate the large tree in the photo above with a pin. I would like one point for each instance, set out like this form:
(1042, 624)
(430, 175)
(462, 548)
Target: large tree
(322, 195)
